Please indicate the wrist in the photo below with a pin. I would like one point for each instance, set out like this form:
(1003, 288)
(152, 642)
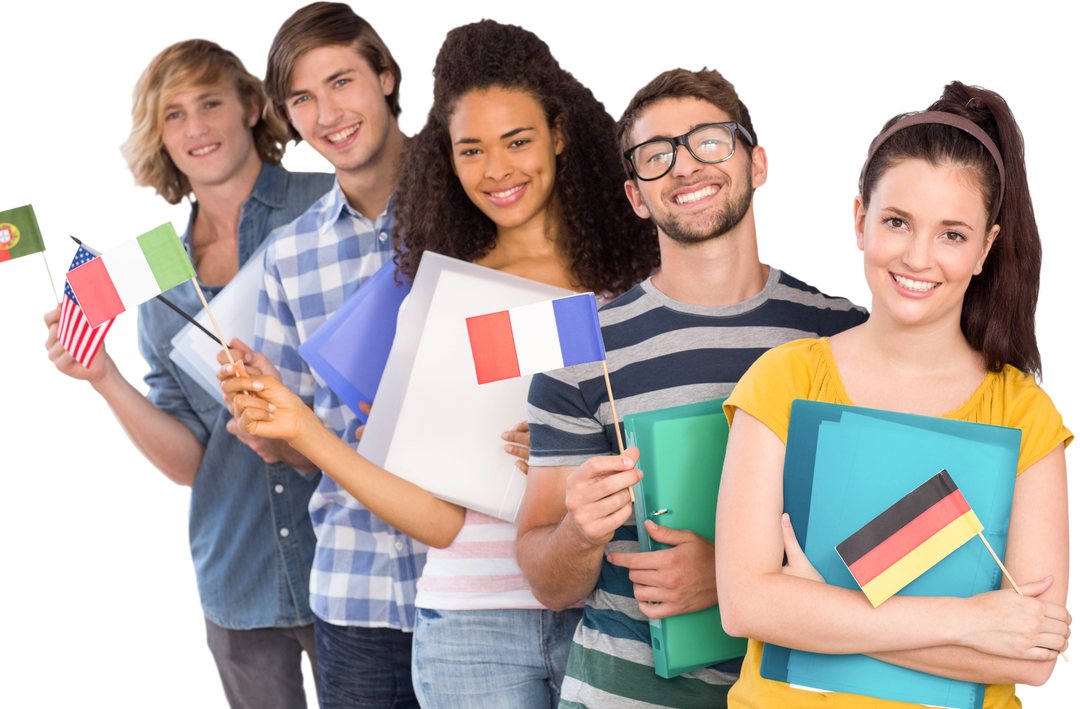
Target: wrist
(106, 380)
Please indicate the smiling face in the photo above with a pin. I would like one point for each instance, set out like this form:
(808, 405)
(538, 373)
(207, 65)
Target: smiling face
(207, 133)
(504, 154)
(924, 236)
(695, 201)
(337, 104)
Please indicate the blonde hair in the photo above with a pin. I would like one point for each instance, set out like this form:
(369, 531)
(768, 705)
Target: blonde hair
(182, 67)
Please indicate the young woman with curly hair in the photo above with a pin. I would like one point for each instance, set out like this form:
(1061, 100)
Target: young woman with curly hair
(517, 169)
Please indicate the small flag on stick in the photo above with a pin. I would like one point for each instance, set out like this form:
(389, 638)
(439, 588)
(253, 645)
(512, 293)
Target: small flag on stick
(539, 338)
(22, 237)
(76, 335)
(904, 541)
(131, 274)
(19, 233)
(536, 338)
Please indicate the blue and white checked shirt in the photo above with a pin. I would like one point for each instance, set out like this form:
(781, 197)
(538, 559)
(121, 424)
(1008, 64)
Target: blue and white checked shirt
(364, 571)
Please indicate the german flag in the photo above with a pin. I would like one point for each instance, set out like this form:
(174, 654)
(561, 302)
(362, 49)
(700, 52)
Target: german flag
(904, 541)
(19, 233)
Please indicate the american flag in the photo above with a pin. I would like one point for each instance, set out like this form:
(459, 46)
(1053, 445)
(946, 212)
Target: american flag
(78, 338)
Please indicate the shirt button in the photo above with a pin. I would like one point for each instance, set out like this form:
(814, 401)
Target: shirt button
(399, 546)
(279, 489)
(284, 532)
(382, 236)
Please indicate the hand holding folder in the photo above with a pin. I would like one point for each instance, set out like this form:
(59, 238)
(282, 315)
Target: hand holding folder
(682, 456)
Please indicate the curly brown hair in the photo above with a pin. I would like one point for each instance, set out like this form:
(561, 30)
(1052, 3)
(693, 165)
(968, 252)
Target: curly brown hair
(607, 246)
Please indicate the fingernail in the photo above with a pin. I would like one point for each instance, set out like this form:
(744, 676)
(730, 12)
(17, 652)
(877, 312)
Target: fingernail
(506, 435)
(271, 407)
(247, 357)
(257, 385)
(271, 416)
(508, 449)
(229, 368)
(785, 520)
(627, 462)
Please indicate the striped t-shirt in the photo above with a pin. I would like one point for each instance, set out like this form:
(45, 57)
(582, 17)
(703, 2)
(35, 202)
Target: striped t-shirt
(660, 353)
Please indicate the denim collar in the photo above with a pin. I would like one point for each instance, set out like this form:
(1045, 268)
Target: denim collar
(271, 188)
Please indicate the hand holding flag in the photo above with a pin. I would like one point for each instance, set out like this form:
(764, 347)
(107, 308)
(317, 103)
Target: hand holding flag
(538, 338)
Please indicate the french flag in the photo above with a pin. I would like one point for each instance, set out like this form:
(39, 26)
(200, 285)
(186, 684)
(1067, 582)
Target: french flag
(536, 338)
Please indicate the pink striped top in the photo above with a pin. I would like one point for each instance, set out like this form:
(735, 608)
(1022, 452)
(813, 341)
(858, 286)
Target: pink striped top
(478, 570)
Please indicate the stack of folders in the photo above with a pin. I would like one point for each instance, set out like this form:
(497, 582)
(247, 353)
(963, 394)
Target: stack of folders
(349, 350)
(682, 456)
(845, 465)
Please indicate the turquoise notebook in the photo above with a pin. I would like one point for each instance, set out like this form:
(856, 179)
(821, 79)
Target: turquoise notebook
(843, 466)
(682, 455)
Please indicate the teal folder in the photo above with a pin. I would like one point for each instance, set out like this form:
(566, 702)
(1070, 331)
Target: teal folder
(843, 466)
(682, 456)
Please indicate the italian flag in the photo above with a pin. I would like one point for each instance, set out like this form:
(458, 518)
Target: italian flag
(130, 274)
(19, 233)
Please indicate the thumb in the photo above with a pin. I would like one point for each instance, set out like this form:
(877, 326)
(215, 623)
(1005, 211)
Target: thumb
(667, 535)
(791, 543)
(365, 407)
(1037, 588)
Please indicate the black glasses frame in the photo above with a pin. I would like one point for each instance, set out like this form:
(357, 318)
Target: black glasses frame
(682, 140)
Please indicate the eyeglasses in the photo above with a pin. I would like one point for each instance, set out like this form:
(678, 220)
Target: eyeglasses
(710, 143)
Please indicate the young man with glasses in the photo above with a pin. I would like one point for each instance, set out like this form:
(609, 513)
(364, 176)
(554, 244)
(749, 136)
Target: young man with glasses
(199, 131)
(685, 335)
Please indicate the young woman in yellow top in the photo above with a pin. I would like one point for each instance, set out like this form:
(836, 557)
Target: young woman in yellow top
(951, 255)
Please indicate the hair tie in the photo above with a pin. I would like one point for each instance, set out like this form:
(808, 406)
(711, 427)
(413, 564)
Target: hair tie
(949, 119)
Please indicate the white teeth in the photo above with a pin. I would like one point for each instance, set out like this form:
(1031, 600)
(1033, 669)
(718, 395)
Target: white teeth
(342, 135)
(695, 196)
(918, 286)
(507, 193)
(208, 149)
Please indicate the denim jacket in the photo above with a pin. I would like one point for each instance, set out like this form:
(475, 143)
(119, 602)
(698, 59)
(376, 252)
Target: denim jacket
(251, 537)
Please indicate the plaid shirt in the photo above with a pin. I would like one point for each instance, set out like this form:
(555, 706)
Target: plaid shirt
(364, 571)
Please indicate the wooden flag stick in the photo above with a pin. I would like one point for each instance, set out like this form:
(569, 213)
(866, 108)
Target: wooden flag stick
(51, 282)
(1008, 576)
(213, 321)
(615, 415)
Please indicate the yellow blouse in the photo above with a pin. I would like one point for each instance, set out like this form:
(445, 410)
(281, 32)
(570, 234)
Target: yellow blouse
(806, 369)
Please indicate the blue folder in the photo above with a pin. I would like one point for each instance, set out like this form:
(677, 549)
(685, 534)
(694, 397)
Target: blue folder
(349, 350)
(843, 466)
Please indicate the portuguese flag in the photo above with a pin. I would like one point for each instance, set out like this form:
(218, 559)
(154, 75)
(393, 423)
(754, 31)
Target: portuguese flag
(130, 274)
(19, 233)
(904, 541)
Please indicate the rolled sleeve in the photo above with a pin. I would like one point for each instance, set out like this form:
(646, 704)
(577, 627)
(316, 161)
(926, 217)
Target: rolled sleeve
(165, 391)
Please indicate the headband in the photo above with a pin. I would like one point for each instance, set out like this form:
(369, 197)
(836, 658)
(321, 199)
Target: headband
(949, 119)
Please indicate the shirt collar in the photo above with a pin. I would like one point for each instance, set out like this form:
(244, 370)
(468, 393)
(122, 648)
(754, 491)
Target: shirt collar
(271, 187)
(338, 205)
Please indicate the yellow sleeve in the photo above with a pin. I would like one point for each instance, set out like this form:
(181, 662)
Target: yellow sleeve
(1030, 409)
(778, 377)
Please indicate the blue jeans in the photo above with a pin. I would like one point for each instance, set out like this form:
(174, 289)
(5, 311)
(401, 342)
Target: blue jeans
(363, 668)
(511, 659)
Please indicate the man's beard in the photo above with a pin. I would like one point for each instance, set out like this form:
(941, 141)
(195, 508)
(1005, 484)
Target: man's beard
(717, 226)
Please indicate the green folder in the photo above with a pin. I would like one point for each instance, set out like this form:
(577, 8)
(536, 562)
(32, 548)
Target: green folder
(682, 455)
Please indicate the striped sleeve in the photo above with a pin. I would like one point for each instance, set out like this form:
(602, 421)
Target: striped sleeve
(276, 332)
(562, 429)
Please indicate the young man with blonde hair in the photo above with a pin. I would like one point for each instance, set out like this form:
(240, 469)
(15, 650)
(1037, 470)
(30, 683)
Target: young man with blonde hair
(334, 81)
(200, 128)
(682, 336)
